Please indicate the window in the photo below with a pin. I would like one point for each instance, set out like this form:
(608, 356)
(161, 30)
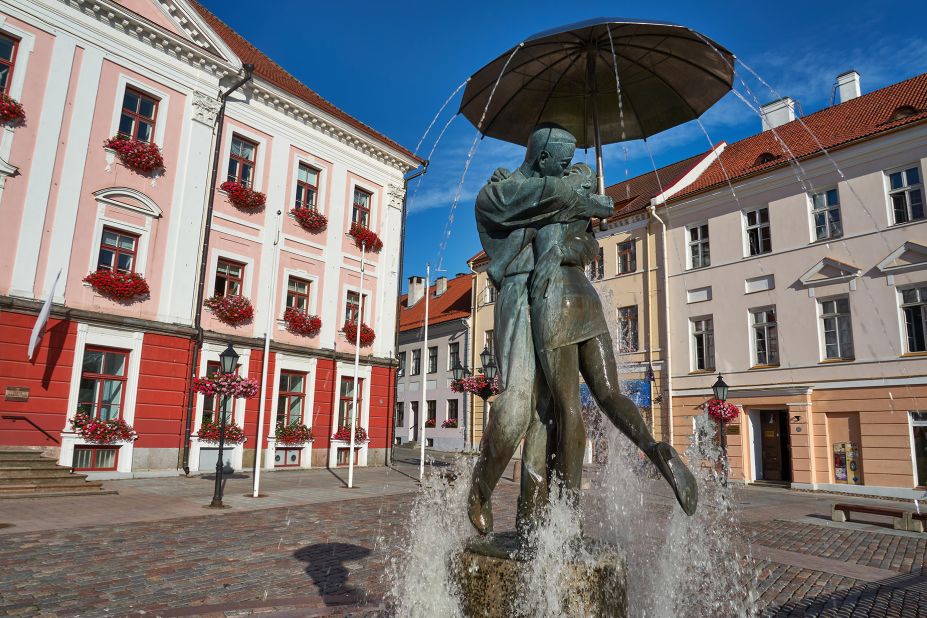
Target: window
(838, 334)
(297, 294)
(117, 251)
(402, 364)
(139, 113)
(627, 329)
(291, 398)
(488, 343)
(453, 355)
(242, 159)
(95, 457)
(8, 47)
(416, 363)
(914, 308)
(491, 293)
(596, 268)
(452, 409)
(399, 418)
(825, 213)
(759, 240)
(627, 257)
(360, 213)
(229, 276)
(414, 405)
(765, 340)
(211, 405)
(919, 429)
(354, 306)
(432, 360)
(102, 383)
(906, 194)
(703, 348)
(347, 395)
(432, 411)
(307, 187)
(699, 254)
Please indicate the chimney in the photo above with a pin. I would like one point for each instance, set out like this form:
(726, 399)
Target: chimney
(416, 290)
(440, 286)
(778, 113)
(848, 86)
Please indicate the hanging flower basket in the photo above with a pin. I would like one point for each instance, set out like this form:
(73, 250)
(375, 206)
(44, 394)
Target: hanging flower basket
(310, 219)
(294, 434)
(450, 423)
(116, 285)
(363, 235)
(477, 384)
(11, 111)
(226, 384)
(210, 431)
(102, 432)
(344, 434)
(232, 310)
(138, 156)
(366, 335)
(243, 197)
(721, 411)
(301, 323)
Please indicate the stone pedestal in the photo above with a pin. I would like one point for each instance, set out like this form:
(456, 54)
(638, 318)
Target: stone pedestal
(488, 576)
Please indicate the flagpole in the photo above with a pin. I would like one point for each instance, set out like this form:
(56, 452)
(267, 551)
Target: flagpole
(358, 322)
(424, 407)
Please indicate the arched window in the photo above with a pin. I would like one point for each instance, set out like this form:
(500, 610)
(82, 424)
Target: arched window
(766, 157)
(902, 111)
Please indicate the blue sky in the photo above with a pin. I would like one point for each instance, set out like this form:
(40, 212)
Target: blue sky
(393, 64)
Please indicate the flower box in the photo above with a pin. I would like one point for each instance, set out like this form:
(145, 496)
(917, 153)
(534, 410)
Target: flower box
(430, 423)
(11, 111)
(363, 235)
(226, 384)
(721, 411)
(367, 335)
(301, 323)
(294, 434)
(310, 219)
(102, 432)
(210, 432)
(233, 310)
(344, 434)
(477, 384)
(450, 423)
(244, 197)
(138, 156)
(118, 286)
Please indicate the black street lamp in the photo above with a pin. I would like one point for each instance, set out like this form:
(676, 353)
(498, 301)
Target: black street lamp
(458, 370)
(720, 389)
(489, 364)
(228, 361)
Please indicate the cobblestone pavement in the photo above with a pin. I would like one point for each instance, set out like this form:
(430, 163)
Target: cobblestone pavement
(326, 555)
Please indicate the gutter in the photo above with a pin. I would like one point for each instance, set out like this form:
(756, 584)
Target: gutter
(667, 349)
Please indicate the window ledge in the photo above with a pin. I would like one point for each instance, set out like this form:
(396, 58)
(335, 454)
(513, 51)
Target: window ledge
(700, 372)
(822, 241)
(830, 361)
(906, 223)
(914, 355)
(756, 257)
(760, 367)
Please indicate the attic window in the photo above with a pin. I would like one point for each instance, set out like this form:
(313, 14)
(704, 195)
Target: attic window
(766, 157)
(902, 111)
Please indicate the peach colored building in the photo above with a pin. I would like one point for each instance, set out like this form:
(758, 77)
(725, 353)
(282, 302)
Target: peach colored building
(153, 72)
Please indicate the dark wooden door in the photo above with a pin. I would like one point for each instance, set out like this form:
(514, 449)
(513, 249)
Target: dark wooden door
(772, 447)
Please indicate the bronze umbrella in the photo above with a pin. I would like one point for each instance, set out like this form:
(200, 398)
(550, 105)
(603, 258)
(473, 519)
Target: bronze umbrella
(605, 80)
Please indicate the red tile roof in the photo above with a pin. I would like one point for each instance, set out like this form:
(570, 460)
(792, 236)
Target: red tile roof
(272, 72)
(454, 304)
(635, 194)
(834, 127)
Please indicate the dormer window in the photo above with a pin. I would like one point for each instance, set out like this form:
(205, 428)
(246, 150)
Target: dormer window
(901, 112)
(766, 157)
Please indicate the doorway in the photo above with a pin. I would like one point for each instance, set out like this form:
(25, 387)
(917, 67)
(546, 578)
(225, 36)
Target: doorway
(775, 461)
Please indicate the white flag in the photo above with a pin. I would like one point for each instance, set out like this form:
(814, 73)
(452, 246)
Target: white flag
(39, 329)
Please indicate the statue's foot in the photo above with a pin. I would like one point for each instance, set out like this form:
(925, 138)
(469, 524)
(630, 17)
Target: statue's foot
(677, 475)
(479, 511)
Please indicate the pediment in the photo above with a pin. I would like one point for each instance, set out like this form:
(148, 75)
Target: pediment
(828, 271)
(129, 199)
(909, 256)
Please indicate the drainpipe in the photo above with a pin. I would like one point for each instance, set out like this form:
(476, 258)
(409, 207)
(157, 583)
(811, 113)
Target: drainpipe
(198, 306)
(667, 348)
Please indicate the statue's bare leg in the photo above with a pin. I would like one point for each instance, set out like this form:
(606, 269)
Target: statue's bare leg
(533, 497)
(561, 373)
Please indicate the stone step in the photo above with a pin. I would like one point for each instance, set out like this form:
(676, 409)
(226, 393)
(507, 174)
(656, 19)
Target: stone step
(44, 463)
(54, 494)
(36, 488)
(8, 453)
(69, 480)
(30, 472)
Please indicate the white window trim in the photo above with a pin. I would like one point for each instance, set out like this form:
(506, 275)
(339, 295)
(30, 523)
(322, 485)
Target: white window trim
(911, 425)
(902, 331)
(618, 272)
(288, 362)
(163, 97)
(812, 227)
(291, 191)
(346, 370)
(688, 243)
(365, 306)
(447, 412)
(230, 131)
(449, 344)
(374, 203)
(313, 293)
(746, 233)
(693, 356)
(235, 257)
(751, 324)
(101, 221)
(822, 342)
(886, 181)
(20, 68)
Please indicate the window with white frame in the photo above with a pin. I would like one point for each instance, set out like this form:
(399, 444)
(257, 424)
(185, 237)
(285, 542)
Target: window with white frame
(627, 257)
(453, 355)
(242, 161)
(139, 115)
(360, 211)
(491, 293)
(229, 278)
(596, 268)
(488, 342)
(838, 330)
(118, 251)
(354, 306)
(216, 403)
(291, 397)
(433, 359)
(399, 418)
(627, 329)
(906, 194)
(307, 187)
(703, 344)
(346, 400)
(825, 214)
(416, 363)
(103, 383)
(765, 337)
(914, 310)
(759, 238)
(297, 294)
(8, 48)
(432, 412)
(402, 364)
(699, 250)
(919, 443)
(453, 409)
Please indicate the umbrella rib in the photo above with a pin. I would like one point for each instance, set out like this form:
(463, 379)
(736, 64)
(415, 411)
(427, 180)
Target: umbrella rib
(674, 56)
(550, 93)
(668, 85)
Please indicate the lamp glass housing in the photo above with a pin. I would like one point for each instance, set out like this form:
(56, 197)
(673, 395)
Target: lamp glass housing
(228, 360)
(720, 388)
(458, 370)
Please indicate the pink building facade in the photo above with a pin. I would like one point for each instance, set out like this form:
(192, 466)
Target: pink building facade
(153, 72)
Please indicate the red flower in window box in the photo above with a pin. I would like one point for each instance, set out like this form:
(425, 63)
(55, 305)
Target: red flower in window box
(450, 423)
(232, 310)
(243, 197)
(721, 411)
(116, 285)
(363, 235)
(139, 156)
(210, 433)
(366, 335)
(294, 434)
(344, 434)
(11, 111)
(301, 323)
(226, 384)
(102, 432)
(430, 422)
(310, 219)
(477, 384)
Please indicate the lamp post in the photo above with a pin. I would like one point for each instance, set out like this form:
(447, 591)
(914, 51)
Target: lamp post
(720, 388)
(228, 361)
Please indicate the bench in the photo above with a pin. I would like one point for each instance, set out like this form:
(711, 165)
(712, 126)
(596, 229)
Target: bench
(841, 513)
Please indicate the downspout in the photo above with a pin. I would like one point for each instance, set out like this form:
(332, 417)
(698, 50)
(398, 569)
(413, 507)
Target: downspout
(667, 347)
(201, 284)
(472, 351)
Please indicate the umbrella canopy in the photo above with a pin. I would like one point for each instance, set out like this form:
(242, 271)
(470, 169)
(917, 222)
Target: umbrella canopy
(668, 75)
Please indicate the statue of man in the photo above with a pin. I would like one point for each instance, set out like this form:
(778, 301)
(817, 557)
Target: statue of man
(509, 210)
